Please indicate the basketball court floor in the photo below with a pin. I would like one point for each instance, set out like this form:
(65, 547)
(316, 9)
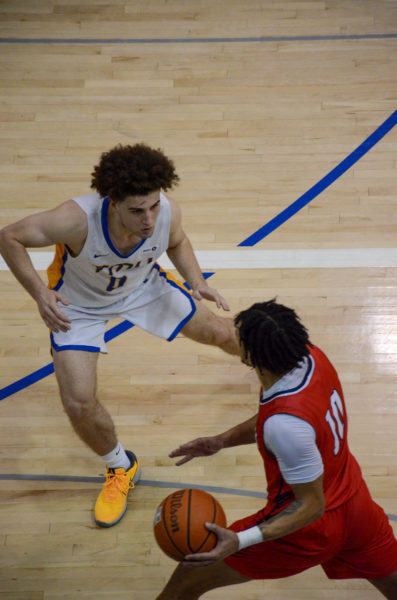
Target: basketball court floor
(281, 120)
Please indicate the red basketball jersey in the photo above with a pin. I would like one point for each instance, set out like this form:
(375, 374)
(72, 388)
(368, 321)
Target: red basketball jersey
(318, 399)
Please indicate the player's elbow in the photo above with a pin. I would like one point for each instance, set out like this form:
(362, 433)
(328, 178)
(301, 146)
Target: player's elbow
(321, 511)
(318, 508)
(314, 508)
(5, 236)
(8, 238)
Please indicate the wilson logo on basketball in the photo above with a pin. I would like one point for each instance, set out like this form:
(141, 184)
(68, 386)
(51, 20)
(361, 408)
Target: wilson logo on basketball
(179, 522)
(175, 506)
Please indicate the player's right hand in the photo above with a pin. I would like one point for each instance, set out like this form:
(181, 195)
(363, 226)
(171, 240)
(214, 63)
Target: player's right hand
(52, 316)
(227, 544)
(204, 446)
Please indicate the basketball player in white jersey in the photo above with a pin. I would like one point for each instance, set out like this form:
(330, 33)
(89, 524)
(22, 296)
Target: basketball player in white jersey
(107, 244)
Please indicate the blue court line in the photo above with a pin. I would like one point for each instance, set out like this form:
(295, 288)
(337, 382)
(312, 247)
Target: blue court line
(276, 222)
(373, 139)
(212, 489)
(323, 184)
(47, 370)
(43, 372)
(215, 40)
(25, 382)
(256, 237)
(32, 378)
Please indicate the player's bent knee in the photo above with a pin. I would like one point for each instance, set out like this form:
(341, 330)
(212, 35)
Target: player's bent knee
(78, 408)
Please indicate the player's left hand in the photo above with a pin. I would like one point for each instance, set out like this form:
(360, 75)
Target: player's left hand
(204, 446)
(202, 290)
(227, 544)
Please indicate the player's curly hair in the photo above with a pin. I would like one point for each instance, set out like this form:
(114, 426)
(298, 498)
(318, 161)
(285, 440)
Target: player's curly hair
(272, 337)
(133, 171)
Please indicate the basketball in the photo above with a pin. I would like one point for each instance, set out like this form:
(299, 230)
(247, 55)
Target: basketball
(179, 523)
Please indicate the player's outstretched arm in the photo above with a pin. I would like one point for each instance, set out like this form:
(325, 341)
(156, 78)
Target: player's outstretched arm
(65, 224)
(241, 434)
(181, 254)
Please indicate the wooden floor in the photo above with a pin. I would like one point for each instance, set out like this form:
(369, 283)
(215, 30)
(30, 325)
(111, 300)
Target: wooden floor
(252, 125)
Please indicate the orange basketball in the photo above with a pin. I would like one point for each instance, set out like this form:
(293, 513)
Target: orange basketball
(179, 523)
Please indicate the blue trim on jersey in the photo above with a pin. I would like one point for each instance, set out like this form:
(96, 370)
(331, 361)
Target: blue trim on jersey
(105, 229)
(60, 282)
(73, 347)
(302, 384)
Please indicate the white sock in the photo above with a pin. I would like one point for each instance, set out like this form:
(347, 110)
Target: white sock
(117, 458)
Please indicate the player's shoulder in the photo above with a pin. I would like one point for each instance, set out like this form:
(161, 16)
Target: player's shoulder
(172, 203)
(175, 211)
(281, 424)
(88, 203)
(322, 362)
(70, 212)
(76, 210)
(68, 219)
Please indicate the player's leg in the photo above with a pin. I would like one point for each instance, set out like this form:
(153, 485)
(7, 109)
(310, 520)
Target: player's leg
(166, 308)
(76, 375)
(208, 328)
(387, 586)
(371, 550)
(189, 583)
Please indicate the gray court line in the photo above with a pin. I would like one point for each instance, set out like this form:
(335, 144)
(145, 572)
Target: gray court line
(146, 482)
(216, 40)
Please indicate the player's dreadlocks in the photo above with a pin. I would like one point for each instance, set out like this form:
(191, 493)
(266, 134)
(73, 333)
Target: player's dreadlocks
(272, 336)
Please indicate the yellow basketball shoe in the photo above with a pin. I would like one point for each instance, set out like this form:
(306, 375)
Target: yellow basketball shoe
(111, 503)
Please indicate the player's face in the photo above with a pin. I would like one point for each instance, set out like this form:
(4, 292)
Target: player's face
(138, 214)
(244, 359)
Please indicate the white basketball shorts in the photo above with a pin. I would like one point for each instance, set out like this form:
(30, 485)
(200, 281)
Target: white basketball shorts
(162, 305)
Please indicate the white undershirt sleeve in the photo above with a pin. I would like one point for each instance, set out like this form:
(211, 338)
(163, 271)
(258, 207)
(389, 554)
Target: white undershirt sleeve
(293, 443)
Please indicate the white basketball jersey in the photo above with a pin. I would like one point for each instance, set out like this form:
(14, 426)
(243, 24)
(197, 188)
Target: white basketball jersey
(100, 274)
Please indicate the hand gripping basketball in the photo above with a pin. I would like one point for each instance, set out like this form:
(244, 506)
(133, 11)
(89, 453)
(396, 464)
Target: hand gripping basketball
(179, 523)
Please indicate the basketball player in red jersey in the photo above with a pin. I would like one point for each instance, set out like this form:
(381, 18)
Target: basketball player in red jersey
(319, 510)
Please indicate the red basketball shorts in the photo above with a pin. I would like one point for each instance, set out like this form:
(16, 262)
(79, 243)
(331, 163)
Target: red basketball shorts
(353, 541)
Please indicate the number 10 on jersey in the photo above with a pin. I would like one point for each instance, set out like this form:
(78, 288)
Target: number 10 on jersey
(334, 417)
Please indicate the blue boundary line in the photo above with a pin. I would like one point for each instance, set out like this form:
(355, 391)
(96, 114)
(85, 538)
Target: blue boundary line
(324, 183)
(47, 370)
(373, 139)
(215, 40)
(256, 237)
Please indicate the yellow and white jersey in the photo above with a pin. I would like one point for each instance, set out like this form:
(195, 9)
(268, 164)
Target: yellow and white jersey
(100, 275)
